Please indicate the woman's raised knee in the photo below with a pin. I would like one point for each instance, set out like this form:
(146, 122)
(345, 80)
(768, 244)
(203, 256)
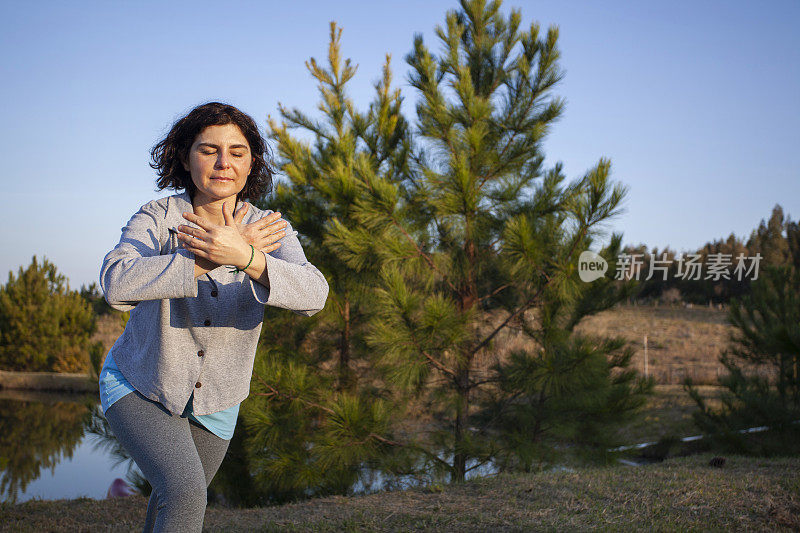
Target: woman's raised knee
(184, 493)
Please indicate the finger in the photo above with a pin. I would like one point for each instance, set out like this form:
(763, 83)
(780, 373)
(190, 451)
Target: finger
(199, 253)
(200, 221)
(194, 232)
(241, 212)
(197, 242)
(274, 225)
(270, 240)
(271, 247)
(269, 219)
(274, 237)
(227, 214)
(192, 242)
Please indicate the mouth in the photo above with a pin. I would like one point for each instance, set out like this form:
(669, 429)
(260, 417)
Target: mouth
(221, 179)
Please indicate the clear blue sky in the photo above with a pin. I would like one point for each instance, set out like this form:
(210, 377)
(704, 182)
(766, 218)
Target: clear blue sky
(696, 103)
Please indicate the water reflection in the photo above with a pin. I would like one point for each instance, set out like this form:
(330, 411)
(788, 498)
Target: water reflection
(37, 430)
(65, 434)
(41, 431)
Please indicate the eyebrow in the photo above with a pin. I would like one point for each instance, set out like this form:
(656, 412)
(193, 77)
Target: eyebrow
(210, 145)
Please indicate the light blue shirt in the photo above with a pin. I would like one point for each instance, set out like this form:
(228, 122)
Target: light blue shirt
(114, 386)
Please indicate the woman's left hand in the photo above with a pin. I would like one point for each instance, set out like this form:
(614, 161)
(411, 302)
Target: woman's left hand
(223, 245)
(262, 233)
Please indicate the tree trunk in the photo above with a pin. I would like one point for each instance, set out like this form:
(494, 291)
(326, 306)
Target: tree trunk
(344, 348)
(462, 410)
(467, 298)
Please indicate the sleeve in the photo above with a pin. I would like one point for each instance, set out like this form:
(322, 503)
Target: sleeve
(135, 270)
(294, 283)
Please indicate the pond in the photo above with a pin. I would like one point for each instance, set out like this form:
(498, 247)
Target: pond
(58, 446)
(46, 451)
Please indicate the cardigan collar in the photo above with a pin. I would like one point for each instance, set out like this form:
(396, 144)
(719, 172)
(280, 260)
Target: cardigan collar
(177, 204)
(182, 203)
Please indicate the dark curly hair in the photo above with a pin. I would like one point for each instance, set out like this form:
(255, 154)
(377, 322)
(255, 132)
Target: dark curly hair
(168, 155)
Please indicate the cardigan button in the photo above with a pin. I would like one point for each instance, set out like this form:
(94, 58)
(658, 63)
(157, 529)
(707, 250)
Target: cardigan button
(207, 322)
(198, 385)
(201, 353)
(214, 293)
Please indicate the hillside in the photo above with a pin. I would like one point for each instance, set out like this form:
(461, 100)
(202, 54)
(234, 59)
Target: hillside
(681, 341)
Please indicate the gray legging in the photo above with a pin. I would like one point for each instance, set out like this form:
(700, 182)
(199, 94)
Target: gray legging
(178, 457)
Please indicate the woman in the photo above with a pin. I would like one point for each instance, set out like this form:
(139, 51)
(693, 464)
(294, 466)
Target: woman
(195, 277)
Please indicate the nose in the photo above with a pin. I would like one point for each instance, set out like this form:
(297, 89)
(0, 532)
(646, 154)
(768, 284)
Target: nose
(223, 160)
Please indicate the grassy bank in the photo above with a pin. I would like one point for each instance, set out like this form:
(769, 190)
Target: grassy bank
(47, 381)
(678, 494)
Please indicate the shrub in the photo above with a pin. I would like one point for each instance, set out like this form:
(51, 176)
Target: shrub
(44, 326)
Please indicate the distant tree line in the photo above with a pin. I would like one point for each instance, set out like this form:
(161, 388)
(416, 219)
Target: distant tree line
(771, 241)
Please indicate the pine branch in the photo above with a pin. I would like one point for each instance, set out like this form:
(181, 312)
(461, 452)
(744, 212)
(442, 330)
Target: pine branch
(438, 365)
(494, 379)
(530, 301)
(509, 318)
(416, 158)
(384, 440)
(494, 292)
(515, 132)
(414, 243)
(276, 393)
(430, 455)
(477, 465)
(338, 305)
(432, 360)
(423, 254)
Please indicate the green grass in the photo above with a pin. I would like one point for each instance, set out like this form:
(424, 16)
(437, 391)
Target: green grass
(678, 494)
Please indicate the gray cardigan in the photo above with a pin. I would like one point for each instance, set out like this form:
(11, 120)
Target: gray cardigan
(199, 335)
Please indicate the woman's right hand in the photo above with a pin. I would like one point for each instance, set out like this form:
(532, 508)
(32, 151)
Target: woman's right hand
(220, 244)
(262, 233)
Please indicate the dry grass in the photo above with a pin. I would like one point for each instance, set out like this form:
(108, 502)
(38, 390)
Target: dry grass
(678, 494)
(681, 342)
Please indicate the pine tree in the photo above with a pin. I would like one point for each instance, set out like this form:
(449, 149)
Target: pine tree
(768, 239)
(762, 387)
(572, 388)
(793, 243)
(45, 326)
(318, 412)
(479, 228)
(94, 296)
(320, 187)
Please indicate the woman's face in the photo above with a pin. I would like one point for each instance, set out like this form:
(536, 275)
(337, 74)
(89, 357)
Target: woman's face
(219, 161)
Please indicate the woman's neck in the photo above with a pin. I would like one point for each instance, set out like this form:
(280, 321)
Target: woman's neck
(211, 209)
